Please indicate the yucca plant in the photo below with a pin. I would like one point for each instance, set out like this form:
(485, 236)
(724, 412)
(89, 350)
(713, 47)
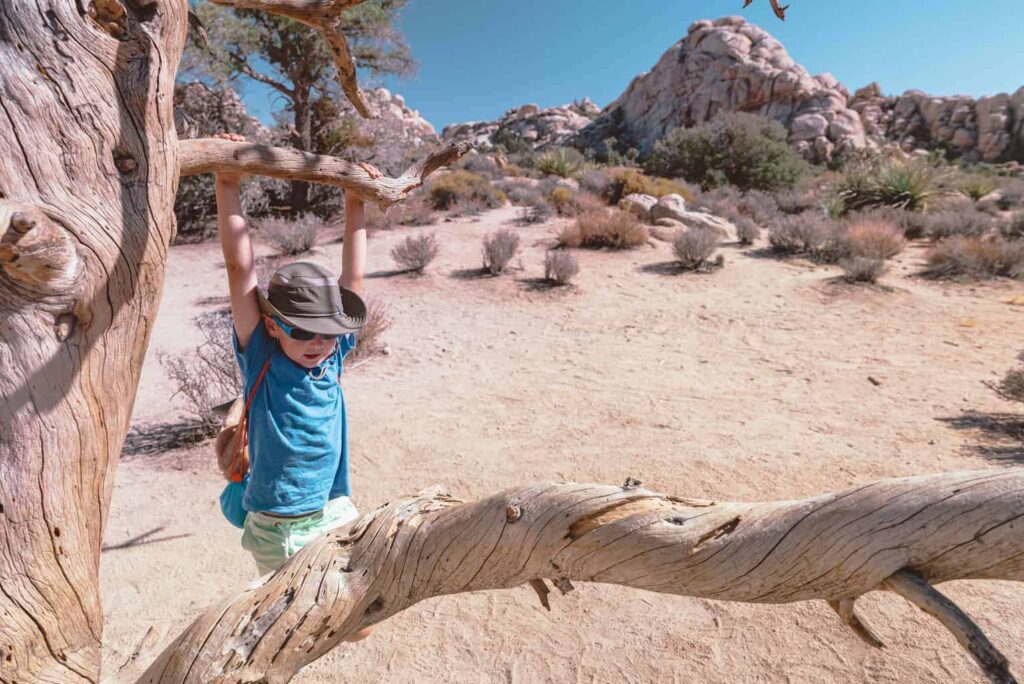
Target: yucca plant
(976, 186)
(902, 184)
(564, 162)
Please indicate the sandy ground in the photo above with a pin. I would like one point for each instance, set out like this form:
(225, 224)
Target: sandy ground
(748, 383)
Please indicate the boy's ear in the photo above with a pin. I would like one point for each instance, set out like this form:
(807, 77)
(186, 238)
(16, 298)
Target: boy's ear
(271, 326)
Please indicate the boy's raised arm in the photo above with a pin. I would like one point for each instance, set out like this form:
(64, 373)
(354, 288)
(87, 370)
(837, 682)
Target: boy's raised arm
(353, 251)
(236, 243)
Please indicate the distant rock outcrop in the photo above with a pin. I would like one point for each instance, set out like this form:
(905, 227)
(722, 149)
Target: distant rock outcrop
(730, 65)
(538, 128)
(990, 129)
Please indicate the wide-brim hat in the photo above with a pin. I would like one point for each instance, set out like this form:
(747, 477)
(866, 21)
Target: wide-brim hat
(304, 295)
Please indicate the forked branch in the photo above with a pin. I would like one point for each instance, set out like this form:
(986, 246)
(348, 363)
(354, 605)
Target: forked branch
(210, 155)
(833, 547)
(324, 16)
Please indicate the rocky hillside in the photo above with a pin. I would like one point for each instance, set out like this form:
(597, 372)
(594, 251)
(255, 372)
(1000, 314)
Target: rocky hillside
(538, 128)
(731, 65)
(989, 129)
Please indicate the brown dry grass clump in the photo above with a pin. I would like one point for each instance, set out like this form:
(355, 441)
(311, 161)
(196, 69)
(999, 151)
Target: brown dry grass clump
(415, 252)
(292, 237)
(612, 228)
(875, 239)
(498, 249)
(368, 340)
(976, 258)
(694, 247)
(862, 269)
(560, 267)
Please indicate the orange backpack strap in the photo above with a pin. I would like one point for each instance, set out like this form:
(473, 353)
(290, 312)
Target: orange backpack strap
(240, 462)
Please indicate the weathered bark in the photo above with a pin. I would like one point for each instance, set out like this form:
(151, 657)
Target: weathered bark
(209, 155)
(88, 173)
(833, 547)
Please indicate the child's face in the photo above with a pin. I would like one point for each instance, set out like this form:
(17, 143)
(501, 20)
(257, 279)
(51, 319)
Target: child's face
(306, 353)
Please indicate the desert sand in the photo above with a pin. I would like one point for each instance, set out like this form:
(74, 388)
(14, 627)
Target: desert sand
(748, 383)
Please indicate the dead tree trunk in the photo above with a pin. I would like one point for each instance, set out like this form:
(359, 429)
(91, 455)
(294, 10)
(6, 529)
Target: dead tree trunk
(88, 174)
(903, 534)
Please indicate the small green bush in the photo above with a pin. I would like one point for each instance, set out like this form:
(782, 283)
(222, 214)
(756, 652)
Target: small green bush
(612, 228)
(735, 148)
(564, 162)
(447, 190)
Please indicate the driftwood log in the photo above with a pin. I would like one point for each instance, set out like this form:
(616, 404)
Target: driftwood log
(89, 168)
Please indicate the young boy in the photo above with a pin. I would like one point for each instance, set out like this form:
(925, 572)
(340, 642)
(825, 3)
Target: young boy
(290, 342)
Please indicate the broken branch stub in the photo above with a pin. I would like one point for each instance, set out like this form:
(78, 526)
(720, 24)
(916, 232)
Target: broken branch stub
(833, 547)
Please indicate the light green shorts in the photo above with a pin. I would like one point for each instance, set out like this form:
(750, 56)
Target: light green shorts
(272, 541)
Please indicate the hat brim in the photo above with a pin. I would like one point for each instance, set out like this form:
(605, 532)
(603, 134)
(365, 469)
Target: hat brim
(352, 320)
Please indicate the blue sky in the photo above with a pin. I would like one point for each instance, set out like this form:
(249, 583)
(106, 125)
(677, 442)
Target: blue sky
(478, 58)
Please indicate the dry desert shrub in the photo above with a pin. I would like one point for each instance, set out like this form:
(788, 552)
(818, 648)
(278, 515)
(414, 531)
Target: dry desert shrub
(207, 375)
(976, 258)
(630, 182)
(292, 237)
(411, 213)
(612, 228)
(560, 267)
(694, 247)
(449, 189)
(819, 238)
(862, 269)
(498, 249)
(368, 340)
(746, 230)
(415, 252)
(964, 222)
(534, 207)
(1011, 387)
(1012, 228)
(875, 239)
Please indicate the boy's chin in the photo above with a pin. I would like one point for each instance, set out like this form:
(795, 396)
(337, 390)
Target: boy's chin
(309, 361)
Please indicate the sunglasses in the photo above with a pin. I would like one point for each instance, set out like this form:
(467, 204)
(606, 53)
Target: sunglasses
(300, 334)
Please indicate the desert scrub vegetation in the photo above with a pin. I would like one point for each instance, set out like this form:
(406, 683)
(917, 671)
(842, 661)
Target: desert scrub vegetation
(461, 186)
(624, 182)
(292, 237)
(818, 238)
(498, 249)
(976, 258)
(207, 375)
(1011, 386)
(560, 267)
(977, 186)
(958, 221)
(564, 162)
(734, 148)
(875, 239)
(534, 206)
(693, 248)
(369, 340)
(568, 202)
(611, 228)
(902, 184)
(747, 232)
(415, 252)
(862, 269)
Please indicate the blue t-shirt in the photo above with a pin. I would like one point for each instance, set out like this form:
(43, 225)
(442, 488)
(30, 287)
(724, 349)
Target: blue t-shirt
(298, 440)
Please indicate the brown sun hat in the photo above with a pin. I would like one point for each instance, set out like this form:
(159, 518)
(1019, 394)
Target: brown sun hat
(307, 296)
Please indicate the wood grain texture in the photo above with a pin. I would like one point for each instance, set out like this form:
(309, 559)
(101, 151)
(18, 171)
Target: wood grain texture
(833, 547)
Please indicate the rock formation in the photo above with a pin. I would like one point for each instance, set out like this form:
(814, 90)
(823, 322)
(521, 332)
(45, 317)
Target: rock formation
(989, 129)
(538, 128)
(730, 65)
